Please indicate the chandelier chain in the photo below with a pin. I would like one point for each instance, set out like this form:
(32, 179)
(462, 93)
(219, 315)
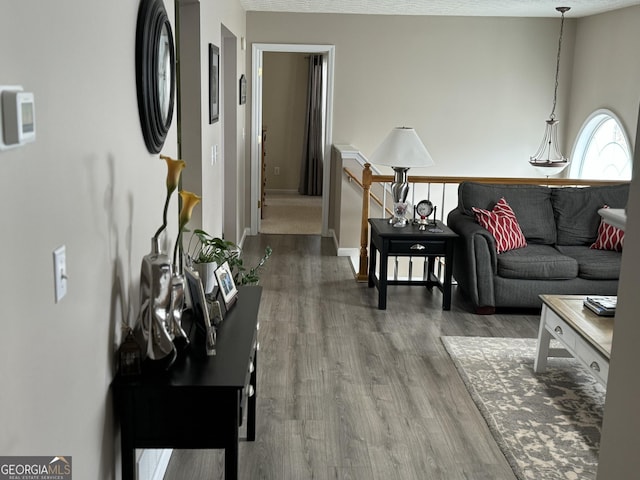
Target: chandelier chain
(555, 89)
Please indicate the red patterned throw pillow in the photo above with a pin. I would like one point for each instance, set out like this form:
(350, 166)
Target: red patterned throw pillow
(502, 223)
(609, 237)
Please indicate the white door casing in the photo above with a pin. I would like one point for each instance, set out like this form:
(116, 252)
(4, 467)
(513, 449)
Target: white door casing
(256, 124)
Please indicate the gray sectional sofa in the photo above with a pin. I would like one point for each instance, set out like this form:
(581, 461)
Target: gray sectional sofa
(559, 224)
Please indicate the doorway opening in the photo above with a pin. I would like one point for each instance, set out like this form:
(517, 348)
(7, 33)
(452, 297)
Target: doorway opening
(258, 132)
(284, 208)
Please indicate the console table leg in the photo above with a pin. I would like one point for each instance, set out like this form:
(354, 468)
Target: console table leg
(231, 463)
(127, 446)
(231, 449)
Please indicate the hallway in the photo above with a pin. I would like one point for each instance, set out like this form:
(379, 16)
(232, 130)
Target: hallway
(291, 214)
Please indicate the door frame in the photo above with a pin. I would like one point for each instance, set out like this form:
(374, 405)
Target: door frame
(229, 133)
(256, 124)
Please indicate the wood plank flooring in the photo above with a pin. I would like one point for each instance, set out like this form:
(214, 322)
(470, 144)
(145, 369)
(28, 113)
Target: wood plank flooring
(347, 391)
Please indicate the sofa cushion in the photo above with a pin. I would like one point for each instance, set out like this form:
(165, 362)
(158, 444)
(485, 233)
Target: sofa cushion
(576, 210)
(609, 238)
(502, 223)
(537, 262)
(537, 224)
(594, 264)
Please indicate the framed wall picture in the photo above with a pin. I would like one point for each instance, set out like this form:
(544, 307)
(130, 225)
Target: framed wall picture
(214, 83)
(243, 89)
(226, 284)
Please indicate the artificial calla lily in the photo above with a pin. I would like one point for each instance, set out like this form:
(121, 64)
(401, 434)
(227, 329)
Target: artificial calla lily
(174, 169)
(189, 200)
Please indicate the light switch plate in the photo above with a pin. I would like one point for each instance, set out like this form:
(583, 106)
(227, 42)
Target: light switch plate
(60, 272)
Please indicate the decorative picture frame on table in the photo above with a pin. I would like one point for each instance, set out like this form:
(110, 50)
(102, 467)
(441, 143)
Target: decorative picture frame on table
(214, 83)
(216, 313)
(226, 285)
(200, 309)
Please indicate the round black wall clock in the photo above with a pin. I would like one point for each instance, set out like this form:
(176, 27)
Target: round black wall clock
(155, 73)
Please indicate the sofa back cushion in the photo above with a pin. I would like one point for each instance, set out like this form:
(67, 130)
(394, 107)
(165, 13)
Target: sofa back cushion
(576, 210)
(530, 203)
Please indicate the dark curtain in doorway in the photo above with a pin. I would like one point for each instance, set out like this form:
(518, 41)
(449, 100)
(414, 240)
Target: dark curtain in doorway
(311, 168)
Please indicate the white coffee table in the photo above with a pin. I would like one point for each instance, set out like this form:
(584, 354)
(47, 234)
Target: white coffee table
(583, 334)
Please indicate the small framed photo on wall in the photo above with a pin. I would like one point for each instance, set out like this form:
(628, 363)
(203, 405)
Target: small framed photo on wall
(227, 285)
(214, 83)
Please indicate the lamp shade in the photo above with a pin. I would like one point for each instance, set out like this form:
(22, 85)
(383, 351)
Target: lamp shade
(402, 148)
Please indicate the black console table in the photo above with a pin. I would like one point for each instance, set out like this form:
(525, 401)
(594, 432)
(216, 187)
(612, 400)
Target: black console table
(198, 402)
(410, 241)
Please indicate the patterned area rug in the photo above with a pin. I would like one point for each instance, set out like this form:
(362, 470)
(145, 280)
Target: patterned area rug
(547, 425)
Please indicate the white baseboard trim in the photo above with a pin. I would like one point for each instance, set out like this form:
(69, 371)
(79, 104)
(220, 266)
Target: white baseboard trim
(246, 233)
(152, 463)
(349, 252)
(354, 257)
(163, 463)
(332, 234)
(282, 191)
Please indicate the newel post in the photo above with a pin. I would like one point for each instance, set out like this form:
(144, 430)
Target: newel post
(364, 227)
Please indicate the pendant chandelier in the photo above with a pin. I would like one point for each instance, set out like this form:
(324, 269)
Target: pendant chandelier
(549, 157)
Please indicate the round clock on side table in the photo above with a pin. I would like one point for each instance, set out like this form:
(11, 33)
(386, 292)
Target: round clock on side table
(424, 208)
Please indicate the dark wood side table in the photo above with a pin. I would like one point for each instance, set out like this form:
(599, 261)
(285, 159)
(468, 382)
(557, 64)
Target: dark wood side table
(410, 241)
(199, 401)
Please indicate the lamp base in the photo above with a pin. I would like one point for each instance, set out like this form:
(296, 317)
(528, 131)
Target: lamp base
(399, 219)
(399, 190)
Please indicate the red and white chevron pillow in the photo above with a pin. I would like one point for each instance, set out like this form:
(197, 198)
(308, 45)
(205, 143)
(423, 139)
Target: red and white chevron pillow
(609, 237)
(502, 223)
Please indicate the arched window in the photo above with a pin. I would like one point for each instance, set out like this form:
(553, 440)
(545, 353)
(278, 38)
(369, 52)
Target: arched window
(602, 149)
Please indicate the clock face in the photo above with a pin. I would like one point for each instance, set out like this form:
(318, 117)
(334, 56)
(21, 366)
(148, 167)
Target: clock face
(424, 208)
(164, 73)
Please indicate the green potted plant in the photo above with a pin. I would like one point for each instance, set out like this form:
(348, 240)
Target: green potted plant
(206, 252)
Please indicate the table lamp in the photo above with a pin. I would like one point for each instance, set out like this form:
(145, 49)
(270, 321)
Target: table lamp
(401, 150)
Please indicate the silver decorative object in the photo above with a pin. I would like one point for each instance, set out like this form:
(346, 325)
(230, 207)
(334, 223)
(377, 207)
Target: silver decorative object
(157, 317)
(176, 331)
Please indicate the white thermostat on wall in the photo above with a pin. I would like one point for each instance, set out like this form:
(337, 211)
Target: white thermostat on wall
(18, 117)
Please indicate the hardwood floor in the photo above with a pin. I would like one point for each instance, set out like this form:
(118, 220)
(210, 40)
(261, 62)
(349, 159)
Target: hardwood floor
(347, 391)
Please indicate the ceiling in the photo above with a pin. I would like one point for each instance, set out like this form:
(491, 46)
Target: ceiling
(484, 8)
